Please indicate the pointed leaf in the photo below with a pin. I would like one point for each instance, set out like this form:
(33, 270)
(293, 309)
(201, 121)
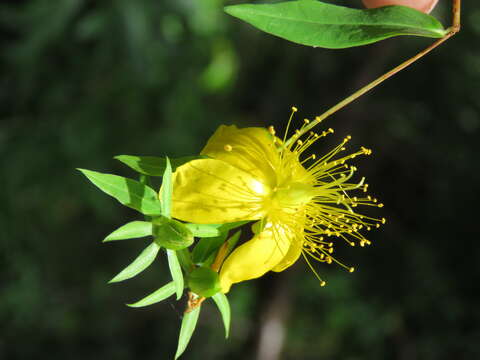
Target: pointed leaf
(139, 264)
(153, 165)
(157, 296)
(212, 230)
(131, 230)
(233, 241)
(206, 247)
(176, 272)
(127, 191)
(204, 230)
(224, 307)
(189, 322)
(313, 23)
(166, 190)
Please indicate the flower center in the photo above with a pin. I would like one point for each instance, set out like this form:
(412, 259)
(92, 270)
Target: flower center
(293, 195)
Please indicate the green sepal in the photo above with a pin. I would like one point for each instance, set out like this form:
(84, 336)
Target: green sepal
(204, 281)
(171, 234)
(232, 241)
(143, 261)
(189, 322)
(157, 296)
(128, 192)
(131, 230)
(206, 247)
(213, 230)
(166, 191)
(314, 23)
(224, 307)
(153, 165)
(176, 272)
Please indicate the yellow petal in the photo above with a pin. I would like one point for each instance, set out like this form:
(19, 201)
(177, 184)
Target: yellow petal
(256, 257)
(209, 191)
(291, 257)
(250, 149)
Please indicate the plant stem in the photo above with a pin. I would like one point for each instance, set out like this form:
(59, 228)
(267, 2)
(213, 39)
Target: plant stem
(452, 30)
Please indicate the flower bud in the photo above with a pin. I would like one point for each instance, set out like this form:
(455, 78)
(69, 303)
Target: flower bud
(204, 282)
(421, 5)
(171, 234)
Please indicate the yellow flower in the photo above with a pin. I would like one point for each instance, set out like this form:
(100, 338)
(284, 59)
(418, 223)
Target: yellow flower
(302, 205)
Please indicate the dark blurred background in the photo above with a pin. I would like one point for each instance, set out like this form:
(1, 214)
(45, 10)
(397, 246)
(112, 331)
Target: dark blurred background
(83, 81)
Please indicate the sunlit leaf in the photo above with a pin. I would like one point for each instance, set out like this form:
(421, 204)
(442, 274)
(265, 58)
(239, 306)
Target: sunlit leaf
(224, 307)
(189, 322)
(212, 230)
(166, 190)
(153, 165)
(157, 296)
(206, 247)
(233, 241)
(314, 23)
(128, 192)
(139, 264)
(176, 272)
(131, 230)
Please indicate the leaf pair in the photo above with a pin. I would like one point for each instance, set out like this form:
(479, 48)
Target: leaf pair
(314, 23)
(189, 322)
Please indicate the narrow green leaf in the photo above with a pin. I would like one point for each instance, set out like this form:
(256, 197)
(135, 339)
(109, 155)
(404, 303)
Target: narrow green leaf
(185, 260)
(131, 230)
(157, 296)
(204, 230)
(189, 322)
(206, 247)
(166, 190)
(153, 165)
(224, 307)
(212, 230)
(128, 192)
(139, 264)
(233, 241)
(314, 23)
(176, 272)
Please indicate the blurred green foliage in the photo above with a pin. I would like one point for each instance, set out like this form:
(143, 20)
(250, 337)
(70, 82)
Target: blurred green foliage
(82, 81)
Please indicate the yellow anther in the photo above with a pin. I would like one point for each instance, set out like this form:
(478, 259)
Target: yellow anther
(380, 205)
(294, 109)
(228, 147)
(306, 121)
(384, 220)
(323, 283)
(300, 142)
(271, 130)
(314, 156)
(352, 269)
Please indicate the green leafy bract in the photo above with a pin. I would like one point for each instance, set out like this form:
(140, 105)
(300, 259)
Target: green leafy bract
(128, 192)
(153, 165)
(139, 264)
(166, 191)
(224, 307)
(314, 23)
(206, 247)
(131, 230)
(189, 322)
(157, 296)
(176, 272)
(213, 230)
